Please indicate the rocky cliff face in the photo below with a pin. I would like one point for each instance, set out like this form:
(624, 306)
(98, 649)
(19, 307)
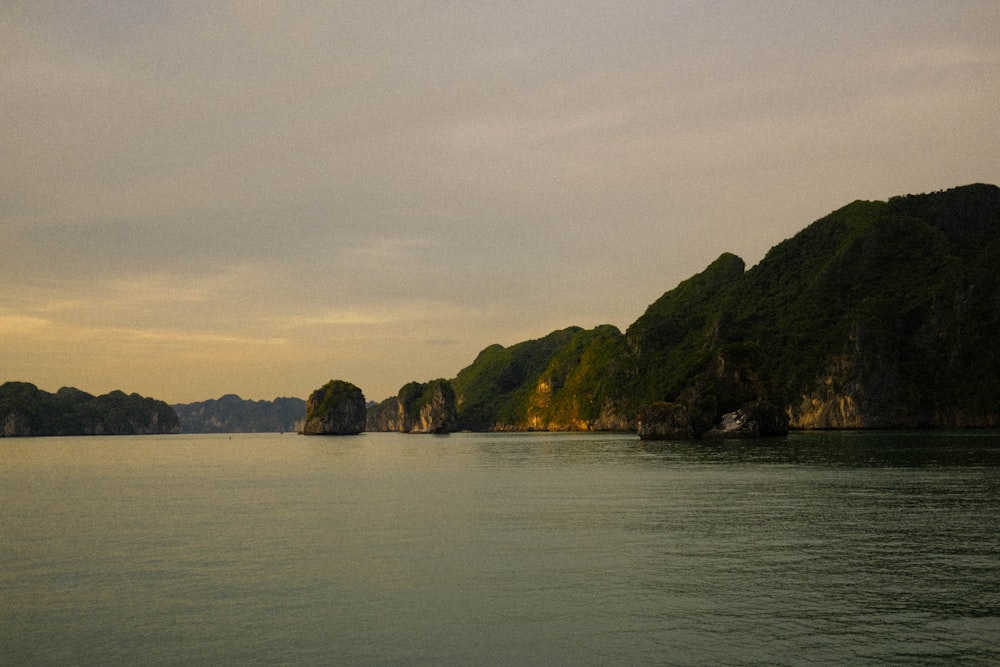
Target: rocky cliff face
(674, 421)
(879, 315)
(913, 304)
(436, 413)
(847, 394)
(16, 425)
(418, 408)
(568, 380)
(664, 420)
(383, 417)
(336, 408)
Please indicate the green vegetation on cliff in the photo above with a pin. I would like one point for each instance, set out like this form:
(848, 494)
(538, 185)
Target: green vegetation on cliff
(676, 346)
(494, 391)
(881, 314)
(419, 407)
(26, 410)
(331, 396)
(581, 388)
(336, 408)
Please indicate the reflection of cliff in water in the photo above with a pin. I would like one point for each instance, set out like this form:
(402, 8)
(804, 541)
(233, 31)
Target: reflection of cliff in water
(856, 449)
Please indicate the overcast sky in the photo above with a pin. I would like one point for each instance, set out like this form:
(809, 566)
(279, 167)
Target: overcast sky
(200, 198)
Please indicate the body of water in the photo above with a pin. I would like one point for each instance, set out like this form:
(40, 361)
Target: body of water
(821, 548)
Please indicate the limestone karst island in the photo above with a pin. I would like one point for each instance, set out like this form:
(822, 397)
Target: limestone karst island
(883, 314)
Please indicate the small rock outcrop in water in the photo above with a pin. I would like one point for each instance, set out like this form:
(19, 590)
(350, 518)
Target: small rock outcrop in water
(673, 421)
(336, 408)
(757, 419)
(418, 408)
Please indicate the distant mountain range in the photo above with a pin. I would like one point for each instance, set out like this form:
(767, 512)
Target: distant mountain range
(883, 314)
(232, 414)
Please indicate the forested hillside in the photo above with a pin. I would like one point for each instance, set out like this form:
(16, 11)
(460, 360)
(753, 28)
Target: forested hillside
(26, 410)
(881, 314)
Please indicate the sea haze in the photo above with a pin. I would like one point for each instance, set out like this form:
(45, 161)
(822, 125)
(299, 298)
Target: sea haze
(822, 548)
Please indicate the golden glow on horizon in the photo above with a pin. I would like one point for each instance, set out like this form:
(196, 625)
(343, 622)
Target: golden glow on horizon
(225, 198)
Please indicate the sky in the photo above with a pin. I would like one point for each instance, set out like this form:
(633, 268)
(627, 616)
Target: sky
(201, 198)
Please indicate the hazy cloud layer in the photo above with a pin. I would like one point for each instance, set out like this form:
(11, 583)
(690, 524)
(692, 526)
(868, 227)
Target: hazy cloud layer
(200, 198)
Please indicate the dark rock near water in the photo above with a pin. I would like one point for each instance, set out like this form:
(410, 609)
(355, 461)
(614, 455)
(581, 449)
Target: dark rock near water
(664, 421)
(336, 408)
(673, 421)
(754, 420)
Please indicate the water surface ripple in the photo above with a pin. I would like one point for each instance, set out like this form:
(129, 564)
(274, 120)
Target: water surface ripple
(822, 548)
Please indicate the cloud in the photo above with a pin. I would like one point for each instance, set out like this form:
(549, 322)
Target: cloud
(364, 179)
(16, 324)
(394, 312)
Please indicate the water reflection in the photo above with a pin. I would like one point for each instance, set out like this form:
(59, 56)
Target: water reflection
(865, 449)
(829, 548)
(848, 449)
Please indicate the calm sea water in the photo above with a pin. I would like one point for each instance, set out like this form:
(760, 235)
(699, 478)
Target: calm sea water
(852, 548)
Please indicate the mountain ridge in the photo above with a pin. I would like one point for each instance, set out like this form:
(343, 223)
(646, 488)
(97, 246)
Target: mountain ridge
(26, 410)
(881, 314)
(231, 414)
